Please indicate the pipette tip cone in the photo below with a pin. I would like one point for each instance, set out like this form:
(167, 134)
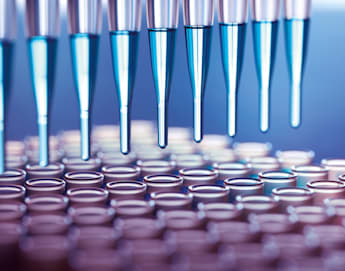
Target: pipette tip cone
(232, 38)
(198, 43)
(265, 40)
(162, 47)
(124, 53)
(42, 55)
(84, 51)
(296, 36)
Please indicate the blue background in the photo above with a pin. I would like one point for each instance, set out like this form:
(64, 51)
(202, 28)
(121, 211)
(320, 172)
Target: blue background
(323, 95)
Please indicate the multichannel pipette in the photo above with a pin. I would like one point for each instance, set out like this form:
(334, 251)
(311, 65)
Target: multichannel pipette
(124, 26)
(42, 21)
(297, 14)
(7, 34)
(198, 18)
(233, 16)
(265, 27)
(85, 23)
(162, 22)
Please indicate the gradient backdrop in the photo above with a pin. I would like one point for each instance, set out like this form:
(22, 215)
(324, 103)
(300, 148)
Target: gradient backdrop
(323, 97)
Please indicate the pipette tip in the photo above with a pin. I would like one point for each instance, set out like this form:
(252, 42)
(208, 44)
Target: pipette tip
(265, 39)
(295, 110)
(162, 46)
(162, 126)
(296, 35)
(232, 112)
(124, 130)
(2, 148)
(232, 44)
(295, 119)
(43, 141)
(84, 136)
(198, 120)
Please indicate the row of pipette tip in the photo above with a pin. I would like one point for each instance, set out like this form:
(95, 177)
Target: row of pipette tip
(277, 212)
(85, 20)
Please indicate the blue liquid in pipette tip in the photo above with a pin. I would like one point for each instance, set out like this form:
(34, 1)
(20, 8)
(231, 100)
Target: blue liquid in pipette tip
(124, 45)
(265, 41)
(162, 47)
(232, 37)
(84, 49)
(296, 38)
(42, 55)
(198, 43)
(6, 49)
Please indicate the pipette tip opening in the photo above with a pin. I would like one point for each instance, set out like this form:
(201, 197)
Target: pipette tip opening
(295, 123)
(197, 138)
(264, 128)
(232, 133)
(124, 150)
(162, 145)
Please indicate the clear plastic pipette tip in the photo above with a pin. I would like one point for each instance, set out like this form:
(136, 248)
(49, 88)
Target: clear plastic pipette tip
(295, 106)
(162, 126)
(124, 130)
(43, 142)
(84, 135)
(232, 113)
(198, 120)
(162, 46)
(297, 17)
(232, 45)
(264, 109)
(2, 147)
